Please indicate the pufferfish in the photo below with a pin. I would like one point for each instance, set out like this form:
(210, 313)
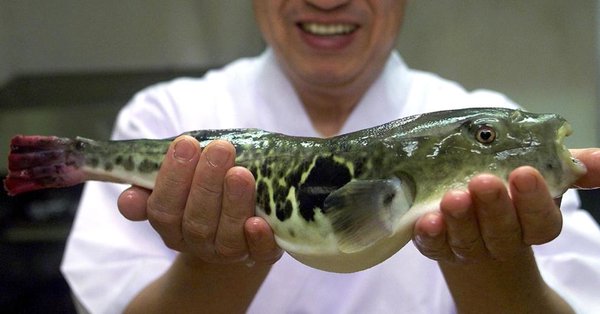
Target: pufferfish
(339, 204)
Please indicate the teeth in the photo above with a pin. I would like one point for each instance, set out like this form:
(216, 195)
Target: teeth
(328, 29)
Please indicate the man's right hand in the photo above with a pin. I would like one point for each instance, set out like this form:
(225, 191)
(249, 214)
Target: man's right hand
(203, 206)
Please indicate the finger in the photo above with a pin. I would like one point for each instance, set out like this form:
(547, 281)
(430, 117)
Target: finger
(590, 157)
(238, 206)
(167, 201)
(203, 209)
(261, 241)
(462, 233)
(541, 220)
(132, 203)
(498, 222)
(430, 239)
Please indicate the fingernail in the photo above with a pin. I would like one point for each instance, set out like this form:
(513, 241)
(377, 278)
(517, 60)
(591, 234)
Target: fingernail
(525, 183)
(184, 150)
(488, 196)
(435, 225)
(235, 187)
(217, 155)
(485, 188)
(459, 213)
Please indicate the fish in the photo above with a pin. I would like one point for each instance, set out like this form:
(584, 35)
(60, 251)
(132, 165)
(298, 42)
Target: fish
(339, 204)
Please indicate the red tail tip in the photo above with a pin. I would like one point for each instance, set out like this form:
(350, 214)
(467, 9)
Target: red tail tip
(39, 162)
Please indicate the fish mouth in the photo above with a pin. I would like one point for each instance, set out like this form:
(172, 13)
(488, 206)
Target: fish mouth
(574, 165)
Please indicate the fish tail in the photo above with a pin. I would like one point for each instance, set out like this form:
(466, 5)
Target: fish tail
(39, 162)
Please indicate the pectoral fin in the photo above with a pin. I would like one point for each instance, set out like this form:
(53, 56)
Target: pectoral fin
(365, 211)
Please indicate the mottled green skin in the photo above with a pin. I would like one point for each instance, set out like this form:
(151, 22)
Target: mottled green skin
(429, 153)
(142, 156)
(433, 152)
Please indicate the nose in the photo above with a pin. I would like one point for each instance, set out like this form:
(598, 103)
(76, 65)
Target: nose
(327, 4)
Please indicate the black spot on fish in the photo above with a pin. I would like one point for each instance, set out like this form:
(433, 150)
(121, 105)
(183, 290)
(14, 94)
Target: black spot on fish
(147, 166)
(265, 169)
(293, 179)
(284, 212)
(252, 169)
(93, 162)
(325, 177)
(129, 164)
(292, 233)
(119, 160)
(359, 167)
(108, 166)
(279, 193)
(262, 197)
(309, 202)
(267, 208)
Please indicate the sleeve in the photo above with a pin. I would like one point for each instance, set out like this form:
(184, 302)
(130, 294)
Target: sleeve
(571, 263)
(108, 259)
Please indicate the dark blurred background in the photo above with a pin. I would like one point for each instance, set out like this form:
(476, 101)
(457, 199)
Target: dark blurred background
(66, 67)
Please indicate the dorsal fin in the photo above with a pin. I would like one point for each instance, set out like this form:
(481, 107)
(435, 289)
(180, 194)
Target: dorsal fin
(365, 211)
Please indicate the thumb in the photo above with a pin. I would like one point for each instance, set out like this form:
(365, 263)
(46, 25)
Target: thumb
(132, 203)
(590, 157)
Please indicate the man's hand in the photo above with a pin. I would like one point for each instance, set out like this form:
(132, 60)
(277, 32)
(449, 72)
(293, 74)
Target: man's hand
(482, 239)
(491, 222)
(485, 223)
(203, 206)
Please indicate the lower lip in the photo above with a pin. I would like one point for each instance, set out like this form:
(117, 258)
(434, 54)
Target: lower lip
(327, 43)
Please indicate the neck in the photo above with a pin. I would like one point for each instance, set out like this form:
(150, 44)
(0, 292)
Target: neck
(328, 105)
(328, 112)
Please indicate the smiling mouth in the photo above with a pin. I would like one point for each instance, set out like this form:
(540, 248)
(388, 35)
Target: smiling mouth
(328, 29)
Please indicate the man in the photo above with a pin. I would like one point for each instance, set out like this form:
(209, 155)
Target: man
(329, 69)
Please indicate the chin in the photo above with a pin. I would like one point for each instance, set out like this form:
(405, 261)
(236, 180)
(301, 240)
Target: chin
(330, 77)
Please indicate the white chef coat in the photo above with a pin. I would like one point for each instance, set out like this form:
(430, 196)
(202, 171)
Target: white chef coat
(109, 259)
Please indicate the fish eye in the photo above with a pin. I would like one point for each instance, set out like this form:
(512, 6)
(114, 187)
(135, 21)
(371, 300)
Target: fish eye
(485, 134)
